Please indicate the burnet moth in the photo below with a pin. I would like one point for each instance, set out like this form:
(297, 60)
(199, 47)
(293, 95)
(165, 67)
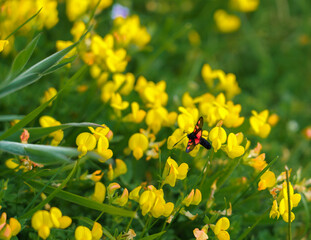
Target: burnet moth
(195, 137)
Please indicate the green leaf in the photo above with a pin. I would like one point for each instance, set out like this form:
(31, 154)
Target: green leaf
(254, 181)
(29, 117)
(39, 132)
(153, 236)
(83, 201)
(35, 72)
(7, 118)
(42, 154)
(20, 26)
(51, 196)
(22, 58)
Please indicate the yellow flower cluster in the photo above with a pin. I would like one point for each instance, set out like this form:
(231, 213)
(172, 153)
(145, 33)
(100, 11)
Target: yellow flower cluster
(87, 142)
(77, 8)
(219, 229)
(217, 136)
(128, 31)
(14, 13)
(280, 205)
(226, 82)
(42, 221)
(155, 98)
(152, 200)
(172, 172)
(84, 233)
(227, 23)
(8, 230)
(47, 121)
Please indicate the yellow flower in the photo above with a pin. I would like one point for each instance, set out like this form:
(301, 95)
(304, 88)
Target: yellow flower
(117, 103)
(146, 201)
(294, 201)
(137, 115)
(47, 121)
(7, 230)
(138, 143)
(233, 149)
(112, 188)
(273, 119)
(128, 30)
(274, 210)
(102, 149)
(172, 171)
(177, 135)
(134, 194)
(153, 201)
(100, 131)
(116, 60)
(99, 192)
(41, 222)
(120, 169)
(85, 142)
(220, 229)
(267, 180)
(3, 43)
(244, 5)
(96, 176)
(153, 94)
(233, 118)
(218, 136)
(124, 82)
(200, 234)
(259, 162)
(77, 30)
(194, 198)
(259, 123)
(122, 200)
(225, 22)
(59, 221)
(75, 8)
(48, 94)
(83, 233)
(187, 119)
(97, 231)
(228, 84)
(158, 117)
(209, 75)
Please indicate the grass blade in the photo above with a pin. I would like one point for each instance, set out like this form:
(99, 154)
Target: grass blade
(83, 201)
(19, 27)
(249, 229)
(42, 154)
(29, 117)
(39, 132)
(7, 118)
(254, 181)
(51, 196)
(22, 58)
(153, 236)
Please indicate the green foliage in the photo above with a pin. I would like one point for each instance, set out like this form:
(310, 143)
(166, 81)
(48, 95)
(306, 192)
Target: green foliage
(267, 54)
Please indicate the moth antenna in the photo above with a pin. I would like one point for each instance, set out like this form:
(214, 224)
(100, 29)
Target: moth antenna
(180, 140)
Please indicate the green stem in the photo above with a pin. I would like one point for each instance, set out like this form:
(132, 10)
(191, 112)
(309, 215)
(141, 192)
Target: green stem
(289, 206)
(249, 229)
(205, 169)
(146, 226)
(254, 181)
(130, 222)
